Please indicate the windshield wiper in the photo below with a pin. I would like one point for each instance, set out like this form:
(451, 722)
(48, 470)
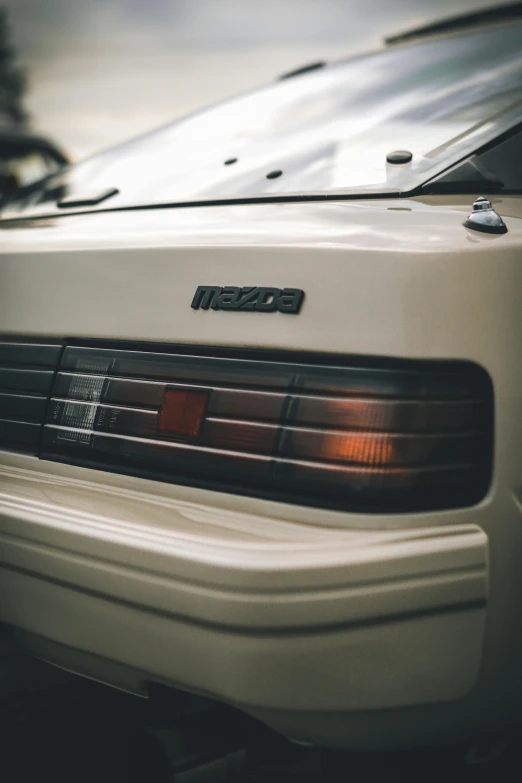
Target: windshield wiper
(462, 21)
(303, 69)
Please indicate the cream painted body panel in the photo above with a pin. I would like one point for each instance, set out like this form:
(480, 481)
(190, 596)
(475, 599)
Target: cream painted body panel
(388, 282)
(392, 278)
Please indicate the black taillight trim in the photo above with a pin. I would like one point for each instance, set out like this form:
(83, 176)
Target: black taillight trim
(457, 385)
(27, 372)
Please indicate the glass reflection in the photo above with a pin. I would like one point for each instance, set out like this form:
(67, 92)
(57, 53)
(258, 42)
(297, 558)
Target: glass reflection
(328, 130)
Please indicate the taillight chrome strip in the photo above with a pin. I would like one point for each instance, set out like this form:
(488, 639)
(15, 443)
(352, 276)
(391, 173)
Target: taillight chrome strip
(295, 406)
(217, 371)
(73, 435)
(278, 439)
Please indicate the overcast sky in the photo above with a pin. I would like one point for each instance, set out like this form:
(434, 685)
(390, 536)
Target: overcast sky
(101, 71)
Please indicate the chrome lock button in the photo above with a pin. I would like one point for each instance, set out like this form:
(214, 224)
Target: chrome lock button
(484, 218)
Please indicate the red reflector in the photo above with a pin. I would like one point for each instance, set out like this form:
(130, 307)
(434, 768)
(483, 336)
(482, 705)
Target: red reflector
(183, 412)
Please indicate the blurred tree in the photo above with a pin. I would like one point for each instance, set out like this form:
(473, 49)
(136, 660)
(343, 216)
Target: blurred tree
(12, 80)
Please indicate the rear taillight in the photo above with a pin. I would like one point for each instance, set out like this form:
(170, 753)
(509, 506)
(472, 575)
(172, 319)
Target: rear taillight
(27, 372)
(379, 438)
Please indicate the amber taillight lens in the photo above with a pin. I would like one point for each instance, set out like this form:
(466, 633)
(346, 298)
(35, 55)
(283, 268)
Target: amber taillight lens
(410, 436)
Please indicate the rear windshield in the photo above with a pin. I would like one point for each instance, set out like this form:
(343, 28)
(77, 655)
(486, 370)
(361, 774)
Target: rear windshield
(329, 130)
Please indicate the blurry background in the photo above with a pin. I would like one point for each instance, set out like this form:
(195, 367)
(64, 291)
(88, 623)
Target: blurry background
(91, 73)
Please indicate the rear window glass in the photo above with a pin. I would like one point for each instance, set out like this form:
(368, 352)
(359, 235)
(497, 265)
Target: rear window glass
(330, 130)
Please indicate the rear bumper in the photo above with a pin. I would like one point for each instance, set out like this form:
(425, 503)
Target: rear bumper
(268, 614)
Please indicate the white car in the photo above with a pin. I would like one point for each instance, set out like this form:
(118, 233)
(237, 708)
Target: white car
(261, 400)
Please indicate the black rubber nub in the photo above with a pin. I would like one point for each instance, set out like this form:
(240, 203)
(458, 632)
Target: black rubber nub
(399, 156)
